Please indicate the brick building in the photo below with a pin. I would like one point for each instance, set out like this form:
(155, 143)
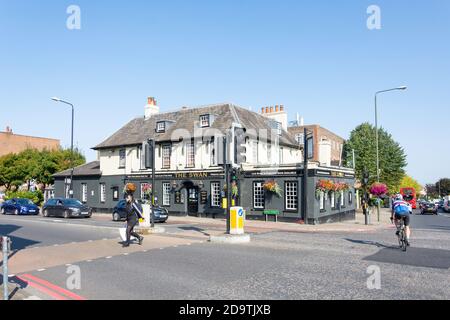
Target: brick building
(15, 143)
(327, 146)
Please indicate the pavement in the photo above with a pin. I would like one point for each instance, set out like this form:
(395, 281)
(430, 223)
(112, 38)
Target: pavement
(283, 260)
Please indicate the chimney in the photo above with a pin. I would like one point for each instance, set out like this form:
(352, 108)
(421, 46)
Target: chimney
(281, 108)
(277, 108)
(151, 108)
(267, 109)
(277, 113)
(262, 110)
(271, 109)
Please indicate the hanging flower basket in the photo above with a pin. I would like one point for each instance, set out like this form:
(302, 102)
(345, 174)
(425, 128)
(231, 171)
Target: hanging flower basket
(325, 186)
(272, 187)
(234, 190)
(378, 189)
(129, 188)
(147, 191)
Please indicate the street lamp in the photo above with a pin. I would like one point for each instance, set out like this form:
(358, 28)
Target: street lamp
(376, 125)
(71, 144)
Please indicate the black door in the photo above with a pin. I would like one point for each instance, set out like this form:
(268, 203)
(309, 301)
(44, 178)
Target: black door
(192, 201)
(58, 210)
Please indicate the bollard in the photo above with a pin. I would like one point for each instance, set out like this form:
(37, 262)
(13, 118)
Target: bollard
(5, 241)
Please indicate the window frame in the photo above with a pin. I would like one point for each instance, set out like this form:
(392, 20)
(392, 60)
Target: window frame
(102, 192)
(205, 118)
(160, 127)
(188, 146)
(122, 158)
(286, 183)
(84, 192)
(166, 194)
(164, 148)
(215, 197)
(262, 193)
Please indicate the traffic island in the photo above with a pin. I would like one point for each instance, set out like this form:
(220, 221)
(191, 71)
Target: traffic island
(148, 230)
(230, 238)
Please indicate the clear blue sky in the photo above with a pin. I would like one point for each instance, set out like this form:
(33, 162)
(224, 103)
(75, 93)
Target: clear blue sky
(316, 57)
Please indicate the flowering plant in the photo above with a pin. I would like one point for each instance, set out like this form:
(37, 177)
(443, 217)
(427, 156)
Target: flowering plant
(378, 189)
(272, 186)
(147, 191)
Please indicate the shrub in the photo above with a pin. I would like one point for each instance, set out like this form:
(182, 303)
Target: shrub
(37, 196)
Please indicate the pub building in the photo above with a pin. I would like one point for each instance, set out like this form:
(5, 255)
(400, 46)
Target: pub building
(188, 179)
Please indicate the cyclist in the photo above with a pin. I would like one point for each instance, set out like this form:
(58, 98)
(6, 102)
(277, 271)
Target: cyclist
(401, 210)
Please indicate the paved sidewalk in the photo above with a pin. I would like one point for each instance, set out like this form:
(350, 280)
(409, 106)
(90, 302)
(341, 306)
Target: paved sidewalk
(256, 226)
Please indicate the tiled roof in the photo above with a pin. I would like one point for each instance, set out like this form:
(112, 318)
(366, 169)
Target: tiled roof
(184, 121)
(88, 169)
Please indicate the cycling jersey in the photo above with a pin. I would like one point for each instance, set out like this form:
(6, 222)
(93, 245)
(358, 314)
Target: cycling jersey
(401, 207)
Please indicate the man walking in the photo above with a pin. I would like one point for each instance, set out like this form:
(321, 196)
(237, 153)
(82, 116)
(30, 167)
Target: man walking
(133, 215)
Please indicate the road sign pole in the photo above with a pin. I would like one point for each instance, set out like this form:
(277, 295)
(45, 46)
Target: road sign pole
(5, 268)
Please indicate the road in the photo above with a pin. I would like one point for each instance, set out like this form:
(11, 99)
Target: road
(274, 265)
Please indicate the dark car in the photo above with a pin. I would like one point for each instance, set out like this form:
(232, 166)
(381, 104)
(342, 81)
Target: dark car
(66, 208)
(119, 213)
(19, 206)
(429, 207)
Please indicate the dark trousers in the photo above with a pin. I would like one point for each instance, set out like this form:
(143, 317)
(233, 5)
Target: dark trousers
(131, 223)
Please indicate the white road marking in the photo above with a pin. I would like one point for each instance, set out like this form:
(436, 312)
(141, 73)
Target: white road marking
(88, 260)
(32, 298)
(126, 253)
(40, 270)
(56, 245)
(109, 257)
(68, 265)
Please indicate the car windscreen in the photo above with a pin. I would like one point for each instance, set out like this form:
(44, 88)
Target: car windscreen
(24, 202)
(72, 202)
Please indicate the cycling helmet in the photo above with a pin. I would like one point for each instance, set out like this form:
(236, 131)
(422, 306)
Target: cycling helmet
(399, 197)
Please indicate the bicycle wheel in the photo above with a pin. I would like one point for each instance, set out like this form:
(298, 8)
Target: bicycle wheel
(404, 246)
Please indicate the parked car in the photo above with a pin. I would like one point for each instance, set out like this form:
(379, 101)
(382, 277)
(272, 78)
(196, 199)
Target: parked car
(446, 205)
(19, 206)
(66, 208)
(119, 213)
(441, 204)
(429, 207)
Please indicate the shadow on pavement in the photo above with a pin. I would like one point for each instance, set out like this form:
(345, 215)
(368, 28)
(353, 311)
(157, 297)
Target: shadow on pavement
(17, 243)
(372, 243)
(416, 257)
(196, 229)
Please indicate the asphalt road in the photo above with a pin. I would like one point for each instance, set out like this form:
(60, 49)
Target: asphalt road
(275, 265)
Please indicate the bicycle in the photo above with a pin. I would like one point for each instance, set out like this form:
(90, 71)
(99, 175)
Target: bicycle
(402, 235)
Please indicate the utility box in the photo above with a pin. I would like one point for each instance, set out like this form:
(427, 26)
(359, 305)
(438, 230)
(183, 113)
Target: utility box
(237, 218)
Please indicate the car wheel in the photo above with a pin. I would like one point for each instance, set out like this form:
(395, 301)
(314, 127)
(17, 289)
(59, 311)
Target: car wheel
(45, 213)
(116, 216)
(3, 211)
(66, 215)
(16, 212)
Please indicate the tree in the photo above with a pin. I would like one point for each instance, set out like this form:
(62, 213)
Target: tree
(409, 182)
(392, 156)
(444, 186)
(432, 191)
(31, 164)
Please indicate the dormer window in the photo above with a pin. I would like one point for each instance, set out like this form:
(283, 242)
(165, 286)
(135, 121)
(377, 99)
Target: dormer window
(205, 121)
(161, 127)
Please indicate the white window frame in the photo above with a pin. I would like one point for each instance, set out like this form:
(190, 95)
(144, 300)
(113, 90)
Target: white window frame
(161, 127)
(122, 158)
(102, 192)
(342, 198)
(142, 185)
(212, 151)
(190, 154)
(300, 138)
(322, 200)
(215, 194)
(84, 192)
(333, 200)
(350, 197)
(258, 195)
(205, 121)
(166, 156)
(166, 194)
(291, 195)
(269, 152)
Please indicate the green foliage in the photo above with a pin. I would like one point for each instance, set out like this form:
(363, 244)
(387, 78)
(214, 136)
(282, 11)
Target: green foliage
(444, 185)
(392, 155)
(37, 197)
(31, 164)
(409, 182)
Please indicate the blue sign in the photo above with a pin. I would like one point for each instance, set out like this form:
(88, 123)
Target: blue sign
(241, 212)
